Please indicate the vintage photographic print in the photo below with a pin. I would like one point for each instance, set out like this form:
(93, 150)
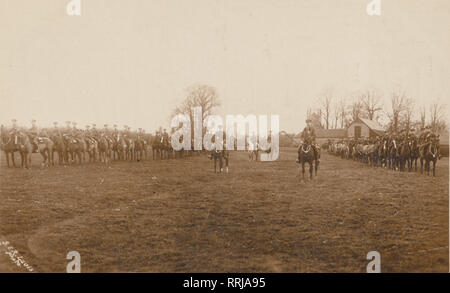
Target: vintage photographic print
(224, 136)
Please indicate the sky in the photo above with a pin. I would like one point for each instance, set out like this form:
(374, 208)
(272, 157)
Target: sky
(129, 62)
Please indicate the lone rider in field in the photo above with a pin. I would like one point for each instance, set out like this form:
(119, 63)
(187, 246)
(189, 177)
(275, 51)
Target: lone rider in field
(309, 135)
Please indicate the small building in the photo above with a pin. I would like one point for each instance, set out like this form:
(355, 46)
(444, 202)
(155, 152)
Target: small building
(365, 128)
(444, 143)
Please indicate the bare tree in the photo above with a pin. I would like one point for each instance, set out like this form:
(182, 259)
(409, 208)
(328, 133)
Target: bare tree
(437, 122)
(371, 103)
(356, 110)
(199, 95)
(407, 114)
(316, 118)
(326, 108)
(423, 112)
(335, 116)
(341, 107)
(398, 104)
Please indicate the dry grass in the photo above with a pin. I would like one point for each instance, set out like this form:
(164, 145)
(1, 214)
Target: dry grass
(257, 218)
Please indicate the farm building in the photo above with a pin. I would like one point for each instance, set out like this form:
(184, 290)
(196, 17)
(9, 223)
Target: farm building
(364, 128)
(444, 144)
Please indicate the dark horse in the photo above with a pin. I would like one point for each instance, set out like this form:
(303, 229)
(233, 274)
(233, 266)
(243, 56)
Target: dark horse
(306, 155)
(26, 149)
(429, 152)
(405, 155)
(9, 145)
(219, 156)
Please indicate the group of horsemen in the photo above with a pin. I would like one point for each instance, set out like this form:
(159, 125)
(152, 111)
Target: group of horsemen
(387, 148)
(391, 149)
(90, 133)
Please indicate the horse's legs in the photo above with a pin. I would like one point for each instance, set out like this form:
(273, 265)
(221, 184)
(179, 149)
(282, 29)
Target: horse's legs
(12, 159)
(303, 170)
(44, 156)
(434, 167)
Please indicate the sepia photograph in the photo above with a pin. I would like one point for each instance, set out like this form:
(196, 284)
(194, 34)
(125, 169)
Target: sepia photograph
(224, 136)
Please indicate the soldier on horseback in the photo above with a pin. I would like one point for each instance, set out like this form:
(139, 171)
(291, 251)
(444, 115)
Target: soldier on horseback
(309, 136)
(56, 131)
(33, 132)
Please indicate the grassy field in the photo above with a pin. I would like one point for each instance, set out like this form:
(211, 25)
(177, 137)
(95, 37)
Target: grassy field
(178, 216)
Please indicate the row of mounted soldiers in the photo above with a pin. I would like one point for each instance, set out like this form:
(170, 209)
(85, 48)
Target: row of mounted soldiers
(398, 151)
(159, 141)
(423, 136)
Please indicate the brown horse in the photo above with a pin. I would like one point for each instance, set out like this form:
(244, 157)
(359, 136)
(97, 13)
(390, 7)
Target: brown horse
(104, 149)
(91, 148)
(156, 147)
(8, 144)
(76, 147)
(120, 147)
(414, 153)
(45, 148)
(139, 147)
(130, 153)
(404, 156)
(393, 155)
(26, 149)
(306, 155)
(61, 148)
(429, 152)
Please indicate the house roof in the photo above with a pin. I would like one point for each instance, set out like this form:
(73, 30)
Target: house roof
(374, 125)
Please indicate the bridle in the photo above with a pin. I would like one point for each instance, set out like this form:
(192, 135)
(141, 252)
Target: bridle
(307, 150)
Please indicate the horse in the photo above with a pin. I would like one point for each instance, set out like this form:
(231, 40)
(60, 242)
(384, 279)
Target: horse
(139, 147)
(130, 149)
(76, 147)
(45, 148)
(429, 152)
(166, 148)
(393, 155)
(383, 153)
(8, 144)
(404, 155)
(61, 148)
(219, 156)
(370, 155)
(26, 149)
(156, 147)
(306, 155)
(104, 149)
(120, 147)
(91, 148)
(253, 151)
(415, 154)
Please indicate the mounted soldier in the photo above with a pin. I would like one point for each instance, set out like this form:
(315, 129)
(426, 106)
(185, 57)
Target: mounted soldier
(94, 131)
(33, 132)
(309, 135)
(55, 130)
